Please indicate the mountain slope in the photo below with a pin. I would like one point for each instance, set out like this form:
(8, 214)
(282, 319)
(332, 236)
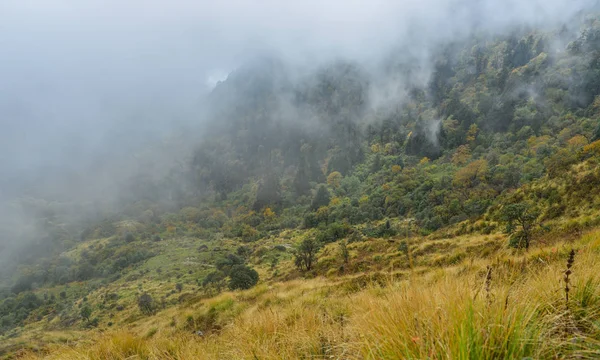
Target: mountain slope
(327, 174)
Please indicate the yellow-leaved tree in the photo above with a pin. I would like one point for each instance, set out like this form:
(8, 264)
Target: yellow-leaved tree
(461, 155)
(268, 213)
(334, 179)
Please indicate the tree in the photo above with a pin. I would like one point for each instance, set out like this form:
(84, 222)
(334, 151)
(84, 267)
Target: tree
(146, 304)
(334, 179)
(577, 141)
(520, 220)
(321, 198)
(268, 214)
(306, 254)
(269, 191)
(596, 135)
(461, 155)
(344, 251)
(86, 312)
(376, 164)
(84, 271)
(242, 277)
(472, 133)
(301, 180)
(472, 174)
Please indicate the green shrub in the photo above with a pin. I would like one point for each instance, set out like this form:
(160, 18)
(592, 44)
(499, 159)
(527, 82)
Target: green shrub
(214, 278)
(333, 232)
(242, 277)
(128, 237)
(146, 304)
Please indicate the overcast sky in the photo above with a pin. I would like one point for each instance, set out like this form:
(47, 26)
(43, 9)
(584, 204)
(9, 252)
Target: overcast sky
(76, 75)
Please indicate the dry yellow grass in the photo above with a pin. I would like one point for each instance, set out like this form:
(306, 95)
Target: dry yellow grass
(444, 313)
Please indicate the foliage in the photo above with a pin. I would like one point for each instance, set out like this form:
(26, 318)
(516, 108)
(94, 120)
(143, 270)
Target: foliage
(14, 310)
(524, 316)
(214, 278)
(504, 123)
(305, 255)
(128, 237)
(321, 198)
(86, 312)
(146, 304)
(333, 232)
(520, 220)
(334, 179)
(227, 263)
(344, 253)
(242, 277)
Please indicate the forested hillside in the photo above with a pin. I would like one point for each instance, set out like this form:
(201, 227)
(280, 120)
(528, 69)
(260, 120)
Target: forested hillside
(491, 149)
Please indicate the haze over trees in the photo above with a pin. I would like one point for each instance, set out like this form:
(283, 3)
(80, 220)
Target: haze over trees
(456, 140)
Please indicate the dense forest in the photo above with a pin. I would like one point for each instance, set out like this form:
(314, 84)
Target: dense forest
(497, 134)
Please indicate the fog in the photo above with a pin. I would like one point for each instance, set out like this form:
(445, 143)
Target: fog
(86, 84)
(77, 76)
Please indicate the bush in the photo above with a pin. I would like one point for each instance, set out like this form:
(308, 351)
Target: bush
(146, 304)
(214, 278)
(311, 221)
(129, 237)
(86, 312)
(333, 232)
(94, 322)
(228, 262)
(249, 233)
(242, 277)
(279, 247)
(129, 256)
(23, 283)
(383, 230)
(243, 251)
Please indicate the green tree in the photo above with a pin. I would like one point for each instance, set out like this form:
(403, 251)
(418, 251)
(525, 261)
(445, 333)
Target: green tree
(344, 251)
(306, 254)
(321, 198)
(227, 263)
(596, 134)
(86, 312)
(269, 191)
(520, 220)
(301, 180)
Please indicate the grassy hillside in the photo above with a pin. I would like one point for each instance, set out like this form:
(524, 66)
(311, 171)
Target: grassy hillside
(494, 304)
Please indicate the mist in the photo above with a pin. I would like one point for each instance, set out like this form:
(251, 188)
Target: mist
(86, 87)
(77, 77)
